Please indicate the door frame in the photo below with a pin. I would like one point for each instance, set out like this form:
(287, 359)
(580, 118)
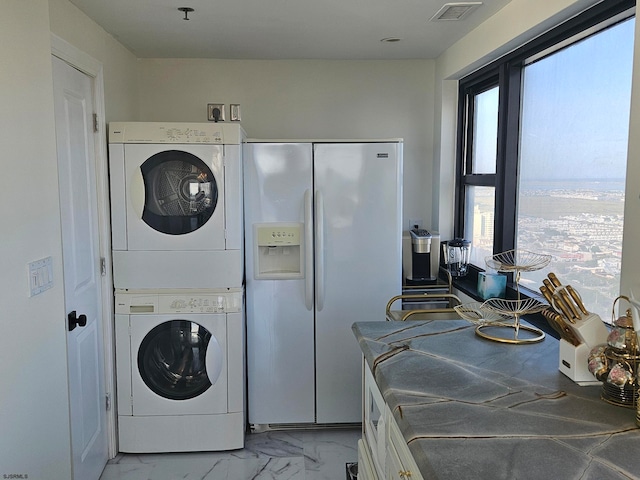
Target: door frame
(88, 65)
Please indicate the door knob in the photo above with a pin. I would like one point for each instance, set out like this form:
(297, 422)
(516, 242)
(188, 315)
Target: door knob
(76, 321)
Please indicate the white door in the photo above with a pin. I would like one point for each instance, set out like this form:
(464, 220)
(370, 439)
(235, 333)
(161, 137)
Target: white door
(73, 97)
(358, 197)
(280, 343)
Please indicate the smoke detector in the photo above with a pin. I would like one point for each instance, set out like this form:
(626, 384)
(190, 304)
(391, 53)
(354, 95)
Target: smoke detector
(455, 11)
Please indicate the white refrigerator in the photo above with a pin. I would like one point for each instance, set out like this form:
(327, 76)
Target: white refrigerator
(323, 230)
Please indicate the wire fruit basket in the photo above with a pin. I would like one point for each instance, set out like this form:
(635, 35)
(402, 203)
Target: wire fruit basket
(475, 313)
(513, 261)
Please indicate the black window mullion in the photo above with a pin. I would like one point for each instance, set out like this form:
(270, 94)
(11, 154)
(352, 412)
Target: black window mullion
(469, 134)
(480, 180)
(507, 161)
(462, 141)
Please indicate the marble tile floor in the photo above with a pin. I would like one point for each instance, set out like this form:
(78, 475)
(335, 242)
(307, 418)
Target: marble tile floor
(274, 455)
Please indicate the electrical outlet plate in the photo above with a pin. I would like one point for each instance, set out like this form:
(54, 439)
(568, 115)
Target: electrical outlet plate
(415, 221)
(234, 112)
(211, 108)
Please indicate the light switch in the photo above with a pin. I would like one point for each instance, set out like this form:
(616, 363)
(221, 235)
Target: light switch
(235, 112)
(40, 276)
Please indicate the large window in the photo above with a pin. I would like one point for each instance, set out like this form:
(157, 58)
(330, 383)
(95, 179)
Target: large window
(543, 151)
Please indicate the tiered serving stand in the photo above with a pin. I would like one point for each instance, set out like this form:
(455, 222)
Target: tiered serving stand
(498, 319)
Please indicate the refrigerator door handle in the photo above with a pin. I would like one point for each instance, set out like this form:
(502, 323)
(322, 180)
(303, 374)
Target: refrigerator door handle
(320, 250)
(308, 250)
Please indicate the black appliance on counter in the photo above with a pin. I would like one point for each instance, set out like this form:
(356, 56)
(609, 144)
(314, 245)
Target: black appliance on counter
(424, 261)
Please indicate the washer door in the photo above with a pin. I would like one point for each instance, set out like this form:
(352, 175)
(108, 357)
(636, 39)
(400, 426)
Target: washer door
(179, 360)
(178, 365)
(181, 192)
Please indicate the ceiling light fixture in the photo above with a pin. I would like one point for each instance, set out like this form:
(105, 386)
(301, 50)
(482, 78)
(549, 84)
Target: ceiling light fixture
(186, 11)
(390, 40)
(455, 11)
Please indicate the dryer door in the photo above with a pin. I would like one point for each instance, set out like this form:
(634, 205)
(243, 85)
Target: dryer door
(175, 197)
(180, 364)
(181, 192)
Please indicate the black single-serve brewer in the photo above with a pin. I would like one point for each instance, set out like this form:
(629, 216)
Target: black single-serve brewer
(425, 249)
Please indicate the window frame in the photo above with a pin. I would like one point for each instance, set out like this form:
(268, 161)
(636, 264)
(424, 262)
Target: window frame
(506, 73)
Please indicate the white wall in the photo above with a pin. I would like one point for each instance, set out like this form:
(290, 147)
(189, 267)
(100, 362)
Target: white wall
(305, 99)
(119, 64)
(630, 277)
(34, 410)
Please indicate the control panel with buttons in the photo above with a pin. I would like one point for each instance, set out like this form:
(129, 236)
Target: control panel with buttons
(278, 234)
(227, 301)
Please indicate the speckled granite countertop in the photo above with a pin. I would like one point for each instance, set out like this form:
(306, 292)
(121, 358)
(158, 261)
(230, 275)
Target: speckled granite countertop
(474, 409)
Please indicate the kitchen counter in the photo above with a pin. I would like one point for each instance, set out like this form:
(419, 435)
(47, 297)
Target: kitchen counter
(476, 409)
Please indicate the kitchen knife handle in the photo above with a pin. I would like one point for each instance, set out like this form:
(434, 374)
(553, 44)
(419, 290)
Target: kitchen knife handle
(547, 295)
(565, 331)
(554, 280)
(562, 292)
(577, 299)
(567, 300)
(547, 283)
(558, 303)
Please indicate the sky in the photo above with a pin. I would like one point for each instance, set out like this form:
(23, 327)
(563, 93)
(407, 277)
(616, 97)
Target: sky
(575, 111)
(575, 115)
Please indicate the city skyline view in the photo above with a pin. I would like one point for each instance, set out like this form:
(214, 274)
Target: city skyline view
(585, 248)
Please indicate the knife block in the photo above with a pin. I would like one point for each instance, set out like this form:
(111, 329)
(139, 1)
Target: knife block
(591, 330)
(573, 361)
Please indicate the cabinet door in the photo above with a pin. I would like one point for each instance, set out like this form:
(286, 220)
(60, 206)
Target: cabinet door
(374, 420)
(395, 471)
(366, 469)
(399, 463)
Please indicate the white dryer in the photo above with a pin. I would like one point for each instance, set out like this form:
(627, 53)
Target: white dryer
(180, 370)
(176, 205)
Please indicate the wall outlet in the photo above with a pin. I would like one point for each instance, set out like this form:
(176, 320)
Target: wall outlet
(415, 221)
(234, 112)
(215, 112)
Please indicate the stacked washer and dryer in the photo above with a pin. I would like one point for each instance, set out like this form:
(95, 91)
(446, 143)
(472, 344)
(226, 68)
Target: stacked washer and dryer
(177, 240)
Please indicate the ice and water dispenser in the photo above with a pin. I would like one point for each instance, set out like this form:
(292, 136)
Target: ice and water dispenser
(279, 251)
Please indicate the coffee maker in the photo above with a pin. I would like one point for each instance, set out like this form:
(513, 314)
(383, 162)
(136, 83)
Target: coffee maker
(421, 267)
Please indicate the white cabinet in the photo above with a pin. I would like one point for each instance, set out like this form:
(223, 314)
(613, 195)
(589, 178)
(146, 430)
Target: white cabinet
(400, 465)
(373, 424)
(366, 470)
(382, 452)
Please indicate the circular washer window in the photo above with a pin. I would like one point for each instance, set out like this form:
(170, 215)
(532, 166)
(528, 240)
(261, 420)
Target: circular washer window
(172, 359)
(181, 192)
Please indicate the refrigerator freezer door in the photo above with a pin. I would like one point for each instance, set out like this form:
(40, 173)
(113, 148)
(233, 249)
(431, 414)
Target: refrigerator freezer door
(361, 190)
(280, 335)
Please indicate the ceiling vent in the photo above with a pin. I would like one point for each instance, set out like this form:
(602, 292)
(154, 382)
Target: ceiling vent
(455, 11)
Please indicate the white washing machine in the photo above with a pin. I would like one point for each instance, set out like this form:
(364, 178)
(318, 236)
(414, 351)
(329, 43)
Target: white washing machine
(176, 204)
(180, 370)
